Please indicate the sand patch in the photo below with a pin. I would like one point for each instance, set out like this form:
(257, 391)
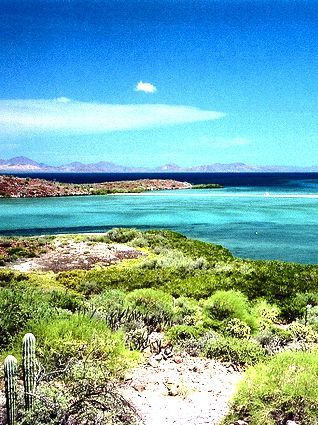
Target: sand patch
(70, 255)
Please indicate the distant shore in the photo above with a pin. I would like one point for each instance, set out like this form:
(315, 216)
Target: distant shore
(18, 187)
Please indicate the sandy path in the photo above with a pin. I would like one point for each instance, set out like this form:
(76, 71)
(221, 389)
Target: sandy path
(181, 391)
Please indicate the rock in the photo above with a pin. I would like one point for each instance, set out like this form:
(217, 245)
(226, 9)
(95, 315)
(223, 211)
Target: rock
(178, 359)
(157, 357)
(138, 387)
(172, 388)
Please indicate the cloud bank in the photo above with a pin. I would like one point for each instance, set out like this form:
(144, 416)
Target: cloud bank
(64, 115)
(145, 87)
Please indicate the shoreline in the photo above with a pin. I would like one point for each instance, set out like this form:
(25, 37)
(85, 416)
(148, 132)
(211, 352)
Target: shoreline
(221, 195)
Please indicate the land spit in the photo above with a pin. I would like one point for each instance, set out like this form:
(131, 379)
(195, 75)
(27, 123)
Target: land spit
(18, 187)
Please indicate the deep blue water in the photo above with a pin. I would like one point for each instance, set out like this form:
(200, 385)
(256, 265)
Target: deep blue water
(283, 181)
(249, 216)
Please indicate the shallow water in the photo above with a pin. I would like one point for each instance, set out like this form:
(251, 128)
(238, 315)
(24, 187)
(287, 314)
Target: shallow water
(248, 221)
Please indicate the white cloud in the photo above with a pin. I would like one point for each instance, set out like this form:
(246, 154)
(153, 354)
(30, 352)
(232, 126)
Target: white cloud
(72, 117)
(145, 87)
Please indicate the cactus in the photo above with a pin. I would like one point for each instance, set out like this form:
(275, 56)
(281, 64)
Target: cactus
(28, 364)
(10, 375)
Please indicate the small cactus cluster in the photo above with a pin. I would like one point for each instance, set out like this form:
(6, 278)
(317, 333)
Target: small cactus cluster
(10, 374)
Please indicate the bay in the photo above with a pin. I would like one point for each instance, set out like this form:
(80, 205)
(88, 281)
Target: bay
(259, 221)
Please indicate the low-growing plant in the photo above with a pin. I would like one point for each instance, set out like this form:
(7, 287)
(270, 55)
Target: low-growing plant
(225, 305)
(80, 395)
(18, 305)
(155, 306)
(266, 314)
(283, 389)
(274, 339)
(235, 351)
(122, 235)
(237, 329)
(76, 336)
(303, 333)
(180, 333)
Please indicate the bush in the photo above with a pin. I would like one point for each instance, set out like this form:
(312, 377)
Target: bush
(63, 338)
(186, 311)
(235, 351)
(109, 300)
(303, 333)
(156, 306)
(122, 235)
(175, 259)
(284, 388)
(265, 314)
(79, 396)
(66, 300)
(237, 329)
(179, 333)
(274, 339)
(18, 305)
(223, 305)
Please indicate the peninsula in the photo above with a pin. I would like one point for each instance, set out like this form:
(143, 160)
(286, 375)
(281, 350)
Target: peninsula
(18, 187)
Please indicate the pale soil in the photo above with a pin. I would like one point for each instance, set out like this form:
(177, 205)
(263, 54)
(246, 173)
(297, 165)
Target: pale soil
(70, 255)
(182, 390)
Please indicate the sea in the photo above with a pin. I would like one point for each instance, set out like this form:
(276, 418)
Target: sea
(266, 216)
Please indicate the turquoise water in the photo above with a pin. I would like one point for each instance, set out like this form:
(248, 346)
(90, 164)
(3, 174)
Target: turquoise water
(250, 224)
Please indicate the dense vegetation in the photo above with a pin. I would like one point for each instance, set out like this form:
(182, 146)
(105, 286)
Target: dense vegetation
(92, 325)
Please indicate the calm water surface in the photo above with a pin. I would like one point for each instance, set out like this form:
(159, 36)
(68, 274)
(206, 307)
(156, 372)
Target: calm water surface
(251, 220)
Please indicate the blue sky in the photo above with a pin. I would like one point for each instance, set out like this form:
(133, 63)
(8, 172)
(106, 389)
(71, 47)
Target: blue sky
(228, 81)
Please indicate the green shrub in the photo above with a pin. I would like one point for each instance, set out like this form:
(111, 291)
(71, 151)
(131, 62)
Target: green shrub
(79, 337)
(187, 311)
(237, 329)
(235, 351)
(109, 300)
(79, 396)
(303, 333)
(72, 279)
(196, 346)
(66, 300)
(175, 259)
(274, 339)
(155, 305)
(266, 314)
(284, 388)
(18, 305)
(122, 235)
(223, 305)
(178, 333)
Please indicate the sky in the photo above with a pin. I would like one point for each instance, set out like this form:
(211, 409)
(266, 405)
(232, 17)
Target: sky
(151, 82)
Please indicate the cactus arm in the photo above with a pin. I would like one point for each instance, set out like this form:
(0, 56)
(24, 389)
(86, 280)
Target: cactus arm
(28, 364)
(10, 374)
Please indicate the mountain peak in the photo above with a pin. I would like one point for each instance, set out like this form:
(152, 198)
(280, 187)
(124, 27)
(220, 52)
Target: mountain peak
(21, 160)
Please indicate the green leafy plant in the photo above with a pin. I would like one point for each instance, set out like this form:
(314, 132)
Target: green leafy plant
(180, 333)
(64, 338)
(283, 389)
(235, 351)
(237, 329)
(224, 305)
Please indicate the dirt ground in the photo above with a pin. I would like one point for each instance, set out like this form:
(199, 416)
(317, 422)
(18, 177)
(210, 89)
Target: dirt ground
(181, 390)
(70, 255)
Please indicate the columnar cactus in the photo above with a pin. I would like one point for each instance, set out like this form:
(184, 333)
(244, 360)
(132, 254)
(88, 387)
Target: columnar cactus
(10, 376)
(28, 364)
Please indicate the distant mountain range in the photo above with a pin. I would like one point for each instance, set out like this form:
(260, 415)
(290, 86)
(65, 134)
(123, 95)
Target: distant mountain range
(25, 165)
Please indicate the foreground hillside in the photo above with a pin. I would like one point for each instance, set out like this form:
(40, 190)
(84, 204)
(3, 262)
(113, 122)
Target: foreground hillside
(18, 187)
(109, 307)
